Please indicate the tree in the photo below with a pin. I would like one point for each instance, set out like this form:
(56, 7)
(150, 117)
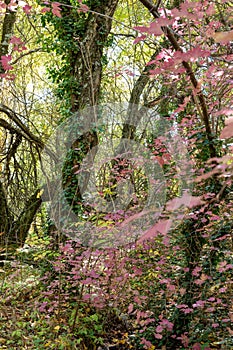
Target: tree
(21, 143)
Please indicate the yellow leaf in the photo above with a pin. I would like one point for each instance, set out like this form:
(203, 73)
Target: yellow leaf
(48, 344)
(57, 328)
(39, 194)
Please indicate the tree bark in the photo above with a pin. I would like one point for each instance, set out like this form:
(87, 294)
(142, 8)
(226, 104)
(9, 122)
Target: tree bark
(4, 214)
(19, 231)
(7, 31)
(86, 73)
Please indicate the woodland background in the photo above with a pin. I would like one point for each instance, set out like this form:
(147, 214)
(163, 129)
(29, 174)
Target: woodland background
(171, 288)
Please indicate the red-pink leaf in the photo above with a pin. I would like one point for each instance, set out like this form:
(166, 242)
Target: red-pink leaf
(154, 29)
(207, 175)
(27, 9)
(3, 5)
(158, 336)
(163, 22)
(186, 200)
(130, 308)
(18, 44)
(141, 29)
(16, 41)
(195, 53)
(56, 9)
(159, 329)
(5, 62)
(12, 5)
(45, 9)
(227, 132)
(223, 37)
(139, 38)
(8, 76)
(161, 227)
(83, 8)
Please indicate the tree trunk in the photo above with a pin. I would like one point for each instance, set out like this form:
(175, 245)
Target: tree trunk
(85, 64)
(7, 31)
(4, 214)
(19, 231)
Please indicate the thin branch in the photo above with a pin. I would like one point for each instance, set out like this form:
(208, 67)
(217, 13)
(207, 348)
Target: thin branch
(12, 116)
(39, 49)
(124, 35)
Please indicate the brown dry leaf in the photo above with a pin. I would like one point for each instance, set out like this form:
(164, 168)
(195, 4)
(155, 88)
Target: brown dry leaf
(223, 37)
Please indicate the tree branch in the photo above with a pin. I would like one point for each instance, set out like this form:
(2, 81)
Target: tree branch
(13, 116)
(39, 49)
(205, 115)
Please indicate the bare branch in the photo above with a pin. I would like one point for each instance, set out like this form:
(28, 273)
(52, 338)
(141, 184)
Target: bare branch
(39, 49)
(27, 133)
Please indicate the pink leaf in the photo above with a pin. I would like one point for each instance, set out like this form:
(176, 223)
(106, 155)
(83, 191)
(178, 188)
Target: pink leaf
(169, 325)
(186, 200)
(27, 9)
(147, 343)
(8, 76)
(161, 227)
(5, 62)
(139, 38)
(159, 329)
(158, 336)
(18, 44)
(195, 53)
(86, 297)
(56, 9)
(45, 9)
(215, 325)
(163, 22)
(141, 29)
(130, 308)
(3, 5)
(196, 271)
(16, 41)
(12, 5)
(227, 132)
(223, 37)
(207, 175)
(83, 8)
(155, 29)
